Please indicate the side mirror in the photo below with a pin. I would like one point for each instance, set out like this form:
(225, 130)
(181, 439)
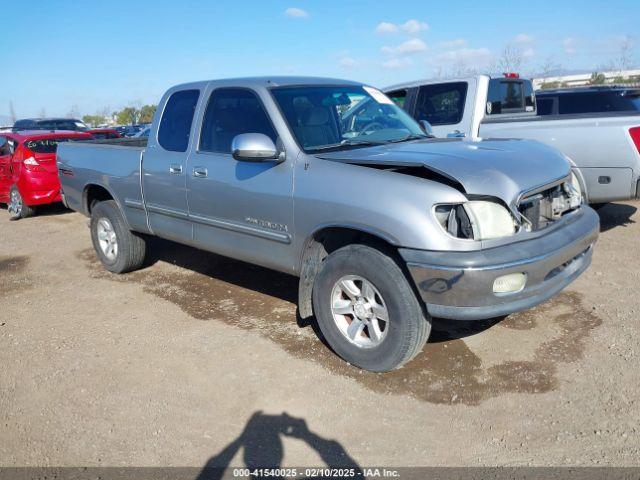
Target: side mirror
(253, 147)
(426, 126)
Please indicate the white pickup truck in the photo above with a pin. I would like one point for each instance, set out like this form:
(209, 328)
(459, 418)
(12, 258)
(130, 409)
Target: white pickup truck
(603, 148)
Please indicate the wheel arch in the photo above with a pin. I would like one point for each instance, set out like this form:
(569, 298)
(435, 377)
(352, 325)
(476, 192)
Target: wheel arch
(94, 193)
(325, 240)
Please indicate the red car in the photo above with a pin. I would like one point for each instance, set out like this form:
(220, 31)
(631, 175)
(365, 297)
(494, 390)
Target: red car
(104, 133)
(28, 171)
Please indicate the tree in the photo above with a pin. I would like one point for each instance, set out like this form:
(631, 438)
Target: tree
(93, 120)
(73, 112)
(549, 67)
(128, 115)
(597, 78)
(146, 113)
(510, 60)
(42, 113)
(625, 57)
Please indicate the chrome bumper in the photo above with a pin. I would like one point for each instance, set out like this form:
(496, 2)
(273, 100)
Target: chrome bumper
(459, 285)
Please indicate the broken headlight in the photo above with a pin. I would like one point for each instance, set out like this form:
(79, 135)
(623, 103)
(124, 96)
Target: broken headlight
(574, 190)
(476, 220)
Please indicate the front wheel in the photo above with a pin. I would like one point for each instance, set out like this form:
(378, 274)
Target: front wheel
(367, 310)
(119, 249)
(16, 207)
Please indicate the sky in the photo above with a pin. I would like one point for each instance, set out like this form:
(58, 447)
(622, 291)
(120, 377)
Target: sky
(72, 56)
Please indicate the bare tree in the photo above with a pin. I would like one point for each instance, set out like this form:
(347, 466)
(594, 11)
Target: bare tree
(511, 60)
(12, 113)
(42, 113)
(625, 55)
(549, 67)
(74, 112)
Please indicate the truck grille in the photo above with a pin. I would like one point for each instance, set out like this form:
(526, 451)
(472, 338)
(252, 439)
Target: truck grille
(543, 208)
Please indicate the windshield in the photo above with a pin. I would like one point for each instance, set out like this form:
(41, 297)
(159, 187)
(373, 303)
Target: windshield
(327, 117)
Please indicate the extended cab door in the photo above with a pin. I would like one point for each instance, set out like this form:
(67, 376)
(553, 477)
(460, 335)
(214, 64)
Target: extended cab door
(239, 209)
(165, 169)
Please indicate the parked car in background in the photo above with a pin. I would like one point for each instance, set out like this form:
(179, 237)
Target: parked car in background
(128, 130)
(70, 124)
(384, 226)
(104, 133)
(585, 100)
(603, 147)
(28, 171)
(143, 133)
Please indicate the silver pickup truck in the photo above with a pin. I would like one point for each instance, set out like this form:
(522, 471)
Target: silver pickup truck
(604, 148)
(385, 226)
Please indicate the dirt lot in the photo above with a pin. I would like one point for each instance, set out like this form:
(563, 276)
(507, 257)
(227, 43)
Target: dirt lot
(200, 359)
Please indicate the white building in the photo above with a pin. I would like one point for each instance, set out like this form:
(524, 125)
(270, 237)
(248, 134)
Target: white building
(584, 78)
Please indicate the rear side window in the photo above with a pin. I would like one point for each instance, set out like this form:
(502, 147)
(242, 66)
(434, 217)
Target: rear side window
(509, 96)
(24, 124)
(230, 112)
(72, 125)
(441, 104)
(398, 96)
(598, 101)
(175, 125)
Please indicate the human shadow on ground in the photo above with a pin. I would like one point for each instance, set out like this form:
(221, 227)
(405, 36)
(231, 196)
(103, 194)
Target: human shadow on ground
(262, 447)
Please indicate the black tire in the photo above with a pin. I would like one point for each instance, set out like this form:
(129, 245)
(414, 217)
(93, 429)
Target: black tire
(18, 210)
(409, 325)
(131, 246)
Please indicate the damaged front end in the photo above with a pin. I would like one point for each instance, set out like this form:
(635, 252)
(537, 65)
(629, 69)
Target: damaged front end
(488, 218)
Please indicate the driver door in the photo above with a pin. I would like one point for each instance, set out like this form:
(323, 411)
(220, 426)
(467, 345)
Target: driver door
(239, 209)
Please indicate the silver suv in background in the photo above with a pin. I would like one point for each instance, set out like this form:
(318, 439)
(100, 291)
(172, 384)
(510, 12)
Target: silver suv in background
(329, 180)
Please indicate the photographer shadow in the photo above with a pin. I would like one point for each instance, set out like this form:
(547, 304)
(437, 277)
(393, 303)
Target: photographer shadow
(261, 442)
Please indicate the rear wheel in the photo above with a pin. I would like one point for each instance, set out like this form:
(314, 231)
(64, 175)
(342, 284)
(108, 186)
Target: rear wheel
(367, 310)
(119, 249)
(16, 207)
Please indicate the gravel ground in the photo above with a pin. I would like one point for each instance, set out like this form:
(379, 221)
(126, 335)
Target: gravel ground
(197, 359)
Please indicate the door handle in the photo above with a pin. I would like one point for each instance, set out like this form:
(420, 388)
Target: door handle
(175, 168)
(199, 172)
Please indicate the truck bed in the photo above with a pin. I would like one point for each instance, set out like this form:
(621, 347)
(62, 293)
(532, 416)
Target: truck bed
(111, 164)
(599, 144)
(121, 142)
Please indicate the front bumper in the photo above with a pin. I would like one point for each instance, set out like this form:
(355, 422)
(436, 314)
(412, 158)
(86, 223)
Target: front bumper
(459, 285)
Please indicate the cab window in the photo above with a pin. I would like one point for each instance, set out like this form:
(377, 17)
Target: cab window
(175, 125)
(510, 96)
(442, 103)
(399, 97)
(230, 112)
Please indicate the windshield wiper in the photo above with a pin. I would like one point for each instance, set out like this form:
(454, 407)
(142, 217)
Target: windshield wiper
(411, 136)
(346, 143)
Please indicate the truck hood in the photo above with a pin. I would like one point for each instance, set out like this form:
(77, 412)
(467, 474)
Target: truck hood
(503, 168)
